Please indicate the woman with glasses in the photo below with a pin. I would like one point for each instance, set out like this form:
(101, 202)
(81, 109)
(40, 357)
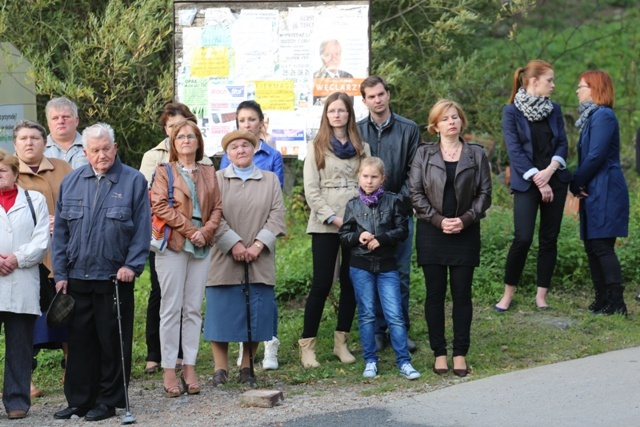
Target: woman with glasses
(182, 267)
(536, 142)
(600, 185)
(330, 181)
(172, 113)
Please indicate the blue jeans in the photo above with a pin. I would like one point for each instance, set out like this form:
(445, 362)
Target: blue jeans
(403, 255)
(386, 287)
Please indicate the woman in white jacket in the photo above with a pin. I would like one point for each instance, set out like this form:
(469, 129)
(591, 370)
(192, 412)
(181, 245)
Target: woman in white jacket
(23, 245)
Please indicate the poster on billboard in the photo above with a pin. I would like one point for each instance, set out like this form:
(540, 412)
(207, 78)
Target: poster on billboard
(287, 56)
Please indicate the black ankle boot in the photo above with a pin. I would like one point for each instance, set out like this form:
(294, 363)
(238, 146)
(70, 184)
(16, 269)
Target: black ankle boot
(601, 298)
(616, 303)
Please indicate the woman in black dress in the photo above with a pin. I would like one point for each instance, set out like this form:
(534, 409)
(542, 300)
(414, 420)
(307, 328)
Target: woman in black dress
(450, 187)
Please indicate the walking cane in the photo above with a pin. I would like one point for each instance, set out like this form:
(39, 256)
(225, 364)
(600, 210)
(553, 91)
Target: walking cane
(128, 418)
(246, 294)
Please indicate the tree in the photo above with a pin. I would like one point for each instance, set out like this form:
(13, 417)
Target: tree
(113, 58)
(428, 49)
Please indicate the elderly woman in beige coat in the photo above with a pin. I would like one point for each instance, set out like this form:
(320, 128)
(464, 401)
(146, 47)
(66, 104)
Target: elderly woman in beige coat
(330, 181)
(253, 217)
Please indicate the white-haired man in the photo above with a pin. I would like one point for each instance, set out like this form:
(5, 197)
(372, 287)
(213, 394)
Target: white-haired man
(101, 229)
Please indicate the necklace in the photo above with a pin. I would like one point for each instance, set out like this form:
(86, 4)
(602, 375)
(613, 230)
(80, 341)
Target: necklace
(450, 155)
(187, 170)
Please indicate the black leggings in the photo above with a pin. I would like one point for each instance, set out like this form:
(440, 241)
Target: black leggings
(525, 209)
(324, 248)
(461, 277)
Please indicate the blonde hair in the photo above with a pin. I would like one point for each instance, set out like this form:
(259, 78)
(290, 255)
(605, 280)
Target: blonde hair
(10, 160)
(375, 162)
(438, 110)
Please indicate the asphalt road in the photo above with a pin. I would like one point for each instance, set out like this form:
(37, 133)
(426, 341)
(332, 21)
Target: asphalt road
(602, 390)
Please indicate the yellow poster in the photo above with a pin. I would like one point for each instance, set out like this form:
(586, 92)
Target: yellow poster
(210, 62)
(275, 94)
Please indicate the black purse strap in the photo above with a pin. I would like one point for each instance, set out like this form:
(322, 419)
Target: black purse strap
(33, 211)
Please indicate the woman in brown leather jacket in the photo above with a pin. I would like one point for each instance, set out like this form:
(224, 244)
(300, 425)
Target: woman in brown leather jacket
(182, 267)
(450, 188)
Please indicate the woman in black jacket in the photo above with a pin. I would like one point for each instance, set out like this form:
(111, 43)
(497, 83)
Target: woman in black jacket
(450, 188)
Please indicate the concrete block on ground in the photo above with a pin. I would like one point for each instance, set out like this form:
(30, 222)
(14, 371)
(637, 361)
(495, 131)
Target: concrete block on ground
(261, 398)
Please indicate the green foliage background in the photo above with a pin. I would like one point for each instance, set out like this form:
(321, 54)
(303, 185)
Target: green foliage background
(115, 57)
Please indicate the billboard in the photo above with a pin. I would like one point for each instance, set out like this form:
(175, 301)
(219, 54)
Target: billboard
(287, 56)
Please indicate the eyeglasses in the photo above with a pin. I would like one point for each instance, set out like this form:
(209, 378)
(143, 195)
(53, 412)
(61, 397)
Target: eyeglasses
(581, 86)
(337, 112)
(183, 137)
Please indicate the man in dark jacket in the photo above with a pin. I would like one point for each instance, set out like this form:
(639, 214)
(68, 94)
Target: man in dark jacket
(102, 229)
(395, 140)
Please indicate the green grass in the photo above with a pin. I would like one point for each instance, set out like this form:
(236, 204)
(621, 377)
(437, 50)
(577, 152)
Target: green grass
(518, 339)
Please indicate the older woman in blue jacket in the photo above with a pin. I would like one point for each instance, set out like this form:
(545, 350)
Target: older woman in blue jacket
(600, 185)
(536, 141)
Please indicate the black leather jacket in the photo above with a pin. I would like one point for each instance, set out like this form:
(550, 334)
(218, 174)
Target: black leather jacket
(472, 183)
(395, 145)
(387, 222)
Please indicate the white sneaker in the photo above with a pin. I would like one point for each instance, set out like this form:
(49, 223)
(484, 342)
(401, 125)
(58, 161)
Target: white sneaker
(371, 370)
(239, 362)
(270, 361)
(408, 372)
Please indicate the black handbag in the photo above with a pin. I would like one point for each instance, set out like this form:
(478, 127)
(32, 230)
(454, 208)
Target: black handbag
(47, 290)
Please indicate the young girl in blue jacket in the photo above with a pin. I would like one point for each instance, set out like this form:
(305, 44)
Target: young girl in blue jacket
(373, 225)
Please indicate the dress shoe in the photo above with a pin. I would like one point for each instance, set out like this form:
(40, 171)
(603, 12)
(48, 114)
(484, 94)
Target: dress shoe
(461, 372)
(35, 392)
(100, 412)
(151, 368)
(411, 345)
(499, 310)
(193, 388)
(440, 371)
(16, 414)
(543, 307)
(381, 341)
(65, 414)
(246, 378)
(220, 377)
(172, 392)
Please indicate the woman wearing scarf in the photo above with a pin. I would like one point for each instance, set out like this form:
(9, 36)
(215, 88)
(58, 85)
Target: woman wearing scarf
(600, 185)
(330, 181)
(536, 142)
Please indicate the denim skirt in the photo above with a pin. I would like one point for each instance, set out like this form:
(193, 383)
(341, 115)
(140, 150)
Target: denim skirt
(226, 313)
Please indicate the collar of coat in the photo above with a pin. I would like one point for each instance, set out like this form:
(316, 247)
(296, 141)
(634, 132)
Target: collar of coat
(230, 173)
(44, 165)
(113, 174)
